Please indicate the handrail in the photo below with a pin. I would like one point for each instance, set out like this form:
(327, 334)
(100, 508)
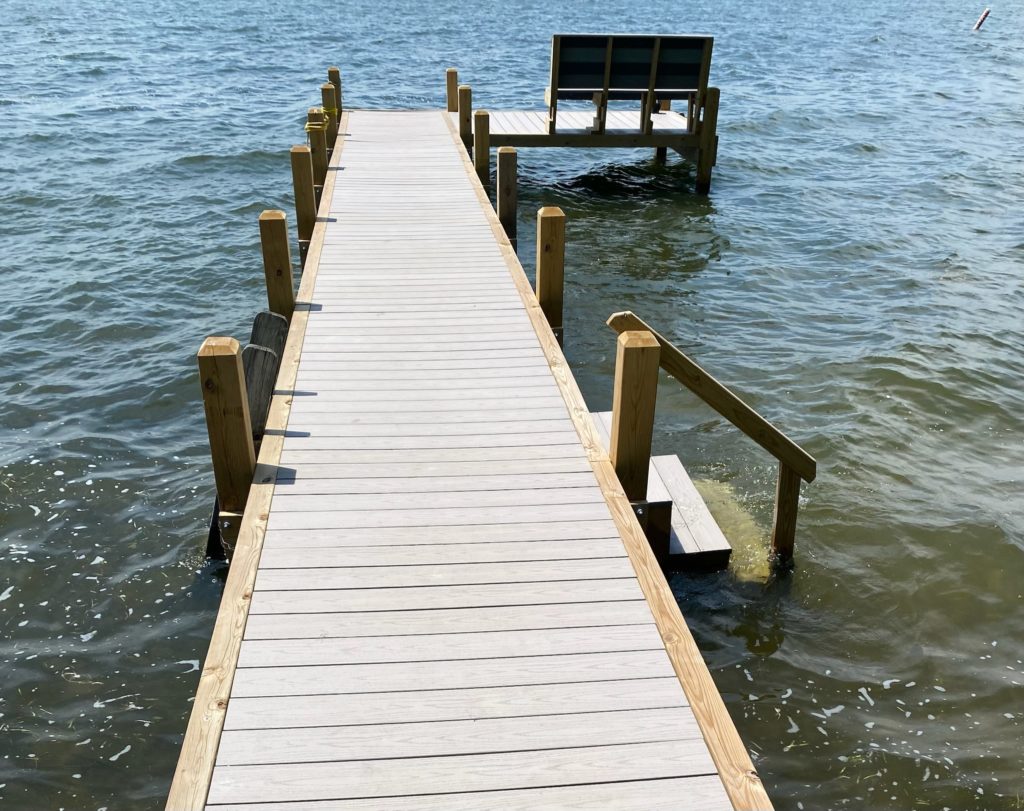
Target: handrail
(721, 399)
(794, 462)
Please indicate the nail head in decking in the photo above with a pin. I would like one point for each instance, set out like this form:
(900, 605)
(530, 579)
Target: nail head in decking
(508, 191)
(482, 145)
(225, 402)
(633, 401)
(277, 262)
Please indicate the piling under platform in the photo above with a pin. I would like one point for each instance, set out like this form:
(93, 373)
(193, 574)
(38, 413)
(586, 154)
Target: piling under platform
(440, 595)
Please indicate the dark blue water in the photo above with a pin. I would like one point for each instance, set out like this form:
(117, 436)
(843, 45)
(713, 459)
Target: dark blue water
(855, 273)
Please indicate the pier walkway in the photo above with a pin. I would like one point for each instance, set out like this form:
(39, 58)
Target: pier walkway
(440, 596)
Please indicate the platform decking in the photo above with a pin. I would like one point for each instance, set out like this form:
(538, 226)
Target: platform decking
(440, 597)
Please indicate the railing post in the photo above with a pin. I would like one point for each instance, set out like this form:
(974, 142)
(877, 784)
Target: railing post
(334, 77)
(787, 502)
(329, 99)
(226, 403)
(277, 262)
(551, 265)
(305, 196)
(452, 89)
(508, 191)
(318, 147)
(466, 115)
(633, 400)
(482, 145)
(708, 140)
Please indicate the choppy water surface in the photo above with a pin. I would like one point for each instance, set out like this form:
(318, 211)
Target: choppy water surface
(856, 273)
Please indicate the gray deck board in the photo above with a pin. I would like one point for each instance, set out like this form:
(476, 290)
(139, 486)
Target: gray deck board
(444, 615)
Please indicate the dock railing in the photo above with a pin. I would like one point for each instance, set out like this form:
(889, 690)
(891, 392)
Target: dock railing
(795, 464)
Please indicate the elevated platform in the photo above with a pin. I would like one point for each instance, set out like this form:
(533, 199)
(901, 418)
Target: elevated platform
(440, 596)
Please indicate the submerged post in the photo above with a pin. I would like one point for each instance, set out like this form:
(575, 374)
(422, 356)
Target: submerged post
(329, 99)
(661, 152)
(482, 145)
(508, 191)
(334, 77)
(316, 127)
(787, 502)
(305, 196)
(226, 404)
(708, 140)
(277, 262)
(466, 115)
(551, 265)
(452, 90)
(633, 399)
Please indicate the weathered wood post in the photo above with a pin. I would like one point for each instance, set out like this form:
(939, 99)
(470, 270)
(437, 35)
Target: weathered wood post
(661, 152)
(317, 129)
(551, 265)
(277, 262)
(329, 99)
(787, 502)
(482, 145)
(305, 197)
(708, 140)
(508, 191)
(633, 400)
(466, 115)
(452, 89)
(334, 77)
(226, 403)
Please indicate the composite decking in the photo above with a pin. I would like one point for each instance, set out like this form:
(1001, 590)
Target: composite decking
(447, 605)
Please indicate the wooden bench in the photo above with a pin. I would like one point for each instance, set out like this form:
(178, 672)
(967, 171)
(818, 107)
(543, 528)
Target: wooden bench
(650, 69)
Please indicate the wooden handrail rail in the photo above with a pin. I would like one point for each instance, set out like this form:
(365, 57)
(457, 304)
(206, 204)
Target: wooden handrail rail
(721, 399)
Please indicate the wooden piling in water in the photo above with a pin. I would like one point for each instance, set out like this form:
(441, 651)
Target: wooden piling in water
(508, 191)
(708, 140)
(661, 152)
(226, 403)
(550, 266)
(277, 262)
(334, 77)
(305, 196)
(482, 145)
(329, 99)
(466, 115)
(636, 388)
(787, 503)
(316, 127)
(452, 90)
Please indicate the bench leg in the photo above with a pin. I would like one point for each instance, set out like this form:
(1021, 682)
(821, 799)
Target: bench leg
(708, 141)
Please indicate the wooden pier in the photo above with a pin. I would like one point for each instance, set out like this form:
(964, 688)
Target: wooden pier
(440, 595)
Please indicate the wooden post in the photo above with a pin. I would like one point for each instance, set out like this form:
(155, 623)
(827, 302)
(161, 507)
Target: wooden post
(787, 502)
(466, 115)
(508, 191)
(305, 197)
(317, 147)
(636, 389)
(661, 152)
(708, 140)
(226, 403)
(329, 99)
(452, 90)
(551, 265)
(482, 145)
(334, 77)
(277, 262)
